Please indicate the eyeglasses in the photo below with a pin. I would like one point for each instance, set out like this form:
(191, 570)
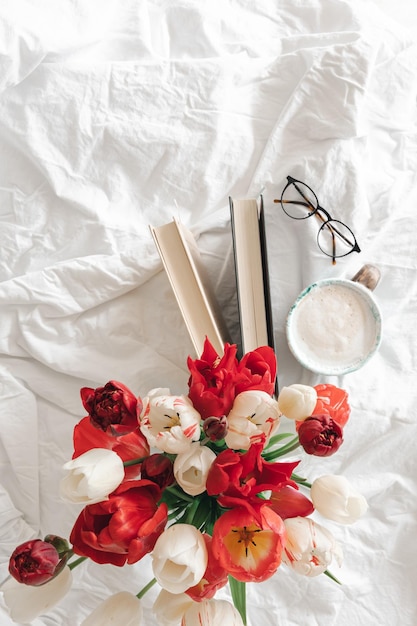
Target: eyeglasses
(334, 238)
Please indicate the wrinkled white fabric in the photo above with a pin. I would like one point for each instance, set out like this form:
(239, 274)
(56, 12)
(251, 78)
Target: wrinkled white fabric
(117, 115)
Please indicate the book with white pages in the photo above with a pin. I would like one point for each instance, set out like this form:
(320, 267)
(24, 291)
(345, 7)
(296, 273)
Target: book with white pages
(189, 281)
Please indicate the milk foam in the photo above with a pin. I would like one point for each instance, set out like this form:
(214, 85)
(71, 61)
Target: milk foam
(333, 327)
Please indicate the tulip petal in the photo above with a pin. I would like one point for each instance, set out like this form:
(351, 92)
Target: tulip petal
(169, 607)
(289, 502)
(121, 608)
(211, 613)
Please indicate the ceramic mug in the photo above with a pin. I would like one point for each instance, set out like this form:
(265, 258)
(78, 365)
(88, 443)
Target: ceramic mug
(334, 327)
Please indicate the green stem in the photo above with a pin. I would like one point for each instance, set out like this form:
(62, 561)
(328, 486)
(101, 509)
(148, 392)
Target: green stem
(146, 588)
(332, 577)
(134, 461)
(77, 562)
(277, 438)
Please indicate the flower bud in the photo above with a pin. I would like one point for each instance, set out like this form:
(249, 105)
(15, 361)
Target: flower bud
(34, 562)
(336, 499)
(159, 469)
(297, 402)
(112, 408)
(191, 468)
(320, 435)
(61, 545)
(215, 428)
(92, 476)
(179, 558)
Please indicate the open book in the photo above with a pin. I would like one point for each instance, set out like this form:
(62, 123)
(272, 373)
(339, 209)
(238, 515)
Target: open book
(181, 260)
(252, 278)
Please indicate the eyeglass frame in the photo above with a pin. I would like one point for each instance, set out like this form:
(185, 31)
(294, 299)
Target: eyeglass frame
(316, 211)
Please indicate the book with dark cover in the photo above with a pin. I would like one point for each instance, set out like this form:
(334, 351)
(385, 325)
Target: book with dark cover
(252, 275)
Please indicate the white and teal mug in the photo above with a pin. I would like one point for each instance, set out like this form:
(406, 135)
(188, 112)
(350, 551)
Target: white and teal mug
(334, 327)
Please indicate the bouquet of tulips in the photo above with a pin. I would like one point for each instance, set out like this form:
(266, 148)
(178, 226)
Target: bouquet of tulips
(199, 482)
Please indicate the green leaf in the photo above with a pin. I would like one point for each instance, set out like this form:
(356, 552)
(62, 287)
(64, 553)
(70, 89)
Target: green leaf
(300, 480)
(288, 447)
(175, 497)
(202, 512)
(238, 591)
(276, 439)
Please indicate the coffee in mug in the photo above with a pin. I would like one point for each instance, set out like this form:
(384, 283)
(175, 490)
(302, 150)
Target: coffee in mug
(334, 326)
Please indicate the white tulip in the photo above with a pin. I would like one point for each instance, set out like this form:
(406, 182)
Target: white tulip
(253, 413)
(92, 476)
(121, 608)
(297, 402)
(169, 607)
(309, 548)
(179, 558)
(25, 603)
(336, 499)
(192, 467)
(212, 613)
(169, 423)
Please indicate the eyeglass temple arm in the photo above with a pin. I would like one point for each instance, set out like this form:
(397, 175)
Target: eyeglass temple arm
(317, 212)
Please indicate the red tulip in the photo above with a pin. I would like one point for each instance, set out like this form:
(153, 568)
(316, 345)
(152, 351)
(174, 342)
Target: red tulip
(123, 528)
(212, 380)
(215, 381)
(133, 445)
(332, 401)
(237, 478)
(112, 408)
(260, 370)
(249, 547)
(34, 562)
(320, 435)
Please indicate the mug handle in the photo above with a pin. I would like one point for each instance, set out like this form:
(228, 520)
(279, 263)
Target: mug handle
(368, 276)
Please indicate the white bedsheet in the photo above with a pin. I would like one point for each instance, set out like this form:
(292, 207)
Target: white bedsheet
(116, 115)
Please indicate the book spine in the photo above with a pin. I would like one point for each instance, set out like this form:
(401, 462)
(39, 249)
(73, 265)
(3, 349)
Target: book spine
(267, 286)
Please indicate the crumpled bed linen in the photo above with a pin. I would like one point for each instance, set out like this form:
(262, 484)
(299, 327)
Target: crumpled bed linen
(114, 116)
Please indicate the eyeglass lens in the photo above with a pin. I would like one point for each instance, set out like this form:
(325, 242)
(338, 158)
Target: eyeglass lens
(334, 238)
(299, 201)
